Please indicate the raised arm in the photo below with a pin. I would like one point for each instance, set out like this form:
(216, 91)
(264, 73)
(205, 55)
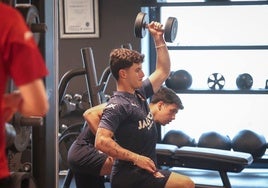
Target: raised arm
(162, 69)
(93, 116)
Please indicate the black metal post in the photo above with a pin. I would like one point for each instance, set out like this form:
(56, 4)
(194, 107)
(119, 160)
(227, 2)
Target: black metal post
(91, 76)
(45, 138)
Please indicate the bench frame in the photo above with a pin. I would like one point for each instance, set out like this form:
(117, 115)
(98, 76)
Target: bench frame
(223, 161)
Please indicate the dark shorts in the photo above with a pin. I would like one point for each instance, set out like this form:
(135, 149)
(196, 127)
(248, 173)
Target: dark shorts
(88, 181)
(131, 176)
(85, 159)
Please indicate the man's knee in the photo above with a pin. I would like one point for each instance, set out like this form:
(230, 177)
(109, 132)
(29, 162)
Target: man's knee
(189, 183)
(179, 181)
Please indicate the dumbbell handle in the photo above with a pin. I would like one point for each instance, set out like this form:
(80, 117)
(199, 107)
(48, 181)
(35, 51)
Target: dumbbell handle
(161, 29)
(38, 27)
(33, 121)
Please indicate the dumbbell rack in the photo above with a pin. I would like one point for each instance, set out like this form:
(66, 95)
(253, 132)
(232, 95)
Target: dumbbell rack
(94, 89)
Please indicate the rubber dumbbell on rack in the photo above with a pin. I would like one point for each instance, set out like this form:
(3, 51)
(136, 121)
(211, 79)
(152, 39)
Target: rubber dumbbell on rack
(141, 24)
(67, 105)
(79, 102)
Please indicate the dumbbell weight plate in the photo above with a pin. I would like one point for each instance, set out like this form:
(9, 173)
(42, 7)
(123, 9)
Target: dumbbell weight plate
(31, 16)
(23, 137)
(65, 143)
(10, 134)
(140, 25)
(171, 28)
(216, 81)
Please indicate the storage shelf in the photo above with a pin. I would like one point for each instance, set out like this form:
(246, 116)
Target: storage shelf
(223, 91)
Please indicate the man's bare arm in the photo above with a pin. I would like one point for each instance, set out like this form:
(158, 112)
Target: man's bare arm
(34, 99)
(29, 100)
(162, 69)
(93, 116)
(104, 142)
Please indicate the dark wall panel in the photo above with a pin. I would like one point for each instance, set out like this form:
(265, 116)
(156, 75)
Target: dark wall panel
(116, 20)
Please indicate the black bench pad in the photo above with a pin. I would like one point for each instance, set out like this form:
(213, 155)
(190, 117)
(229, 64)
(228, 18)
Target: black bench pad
(202, 158)
(222, 161)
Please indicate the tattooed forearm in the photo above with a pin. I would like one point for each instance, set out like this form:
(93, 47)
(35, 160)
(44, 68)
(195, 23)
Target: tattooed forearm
(106, 144)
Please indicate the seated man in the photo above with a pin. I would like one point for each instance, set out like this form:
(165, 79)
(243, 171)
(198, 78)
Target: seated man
(87, 162)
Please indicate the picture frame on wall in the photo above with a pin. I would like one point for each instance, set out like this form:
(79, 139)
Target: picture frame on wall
(79, 19)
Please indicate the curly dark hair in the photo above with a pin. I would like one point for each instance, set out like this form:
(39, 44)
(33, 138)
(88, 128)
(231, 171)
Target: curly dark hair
(121, 58)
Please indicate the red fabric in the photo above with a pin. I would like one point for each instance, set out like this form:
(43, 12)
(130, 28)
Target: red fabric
(20, 59)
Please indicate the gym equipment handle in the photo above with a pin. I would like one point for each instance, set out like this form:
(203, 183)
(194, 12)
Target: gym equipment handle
(38, 28)
(33, 121)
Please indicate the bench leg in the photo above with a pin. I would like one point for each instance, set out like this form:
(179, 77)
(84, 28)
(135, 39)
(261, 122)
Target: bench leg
(68, 179)
(225, 179)
(225, 182)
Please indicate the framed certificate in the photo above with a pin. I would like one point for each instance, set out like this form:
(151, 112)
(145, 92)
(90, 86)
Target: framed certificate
(79, 18)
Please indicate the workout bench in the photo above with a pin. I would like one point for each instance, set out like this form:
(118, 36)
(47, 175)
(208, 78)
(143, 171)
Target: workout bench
(222, 161)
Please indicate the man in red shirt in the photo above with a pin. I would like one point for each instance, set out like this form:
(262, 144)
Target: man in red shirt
(21, 61)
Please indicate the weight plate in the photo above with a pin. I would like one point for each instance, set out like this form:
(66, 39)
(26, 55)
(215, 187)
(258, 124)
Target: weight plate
(140, 25)
(65, 143)
(216, 81)
(171, 28)
(31, 16)
(10, 134)
(23, 137)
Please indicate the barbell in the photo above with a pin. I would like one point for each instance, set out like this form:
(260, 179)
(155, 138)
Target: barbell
(141, 24)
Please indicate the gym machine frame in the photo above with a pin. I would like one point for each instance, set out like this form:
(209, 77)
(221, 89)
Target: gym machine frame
(93, 87)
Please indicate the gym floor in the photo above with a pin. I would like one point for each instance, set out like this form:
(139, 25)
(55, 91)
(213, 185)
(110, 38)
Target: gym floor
(248, 178)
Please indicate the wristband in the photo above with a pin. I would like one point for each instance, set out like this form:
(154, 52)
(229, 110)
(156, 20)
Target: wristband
(160, 46)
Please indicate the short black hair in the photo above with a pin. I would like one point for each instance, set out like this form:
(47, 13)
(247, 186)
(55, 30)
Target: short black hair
(168, 96)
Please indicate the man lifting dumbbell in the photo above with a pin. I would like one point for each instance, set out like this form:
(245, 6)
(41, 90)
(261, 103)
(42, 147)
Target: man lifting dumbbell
(88, 163)
(126, 131)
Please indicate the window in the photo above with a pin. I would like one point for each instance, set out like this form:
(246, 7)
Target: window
(219, 25)
(224, 113)
(224, 39)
